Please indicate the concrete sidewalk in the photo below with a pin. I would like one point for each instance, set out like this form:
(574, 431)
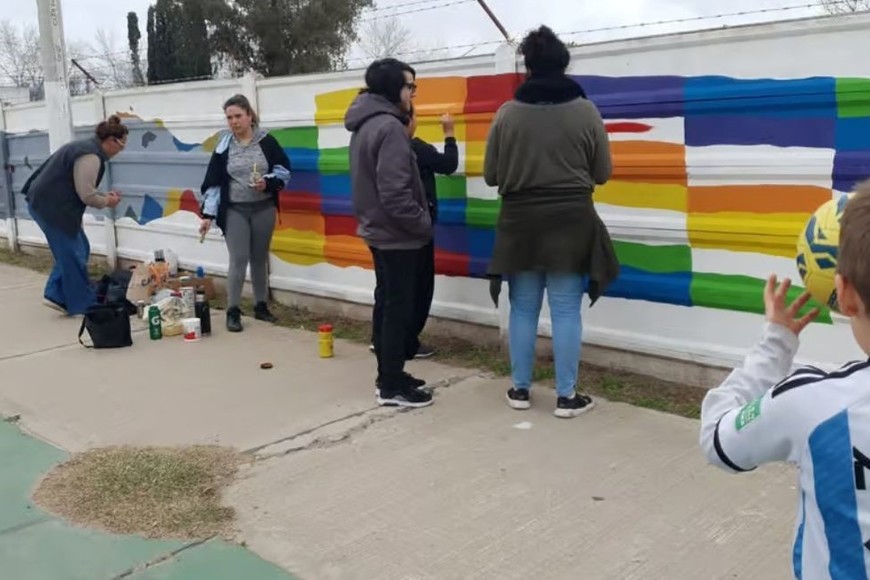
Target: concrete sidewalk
(343, 489)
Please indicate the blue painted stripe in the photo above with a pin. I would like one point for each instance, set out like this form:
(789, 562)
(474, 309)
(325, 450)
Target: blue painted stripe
(852, 134)
(666, 288)
(813, 97)
(797, 557)
(833, 474)
(705, 130)
(635, 97)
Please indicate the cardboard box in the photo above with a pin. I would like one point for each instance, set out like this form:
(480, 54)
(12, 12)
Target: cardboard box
(206, 284)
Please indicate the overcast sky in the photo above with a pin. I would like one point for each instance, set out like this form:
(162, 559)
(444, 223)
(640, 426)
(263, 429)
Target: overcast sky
(438, 23)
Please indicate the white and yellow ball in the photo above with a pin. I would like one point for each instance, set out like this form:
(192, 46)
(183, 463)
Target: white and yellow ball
(817, 251)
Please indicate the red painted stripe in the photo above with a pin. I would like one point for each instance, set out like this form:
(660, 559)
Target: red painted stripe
(628, 127)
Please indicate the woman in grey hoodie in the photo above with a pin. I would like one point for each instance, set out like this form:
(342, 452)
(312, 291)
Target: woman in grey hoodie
(247, 171)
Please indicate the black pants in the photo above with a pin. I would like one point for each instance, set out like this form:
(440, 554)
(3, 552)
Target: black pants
(394, 323)
(425, 290)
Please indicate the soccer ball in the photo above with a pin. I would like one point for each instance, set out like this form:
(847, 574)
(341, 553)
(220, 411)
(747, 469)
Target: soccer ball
(817, 251)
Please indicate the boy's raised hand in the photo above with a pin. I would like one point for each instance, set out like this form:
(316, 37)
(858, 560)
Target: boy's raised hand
(779, 311)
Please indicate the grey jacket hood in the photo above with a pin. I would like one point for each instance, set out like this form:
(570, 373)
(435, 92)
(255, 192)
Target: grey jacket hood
(364, 107)
(388, 197)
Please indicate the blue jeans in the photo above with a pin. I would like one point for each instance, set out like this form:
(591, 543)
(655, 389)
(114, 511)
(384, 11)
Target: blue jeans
(68, 283)
(564, 295)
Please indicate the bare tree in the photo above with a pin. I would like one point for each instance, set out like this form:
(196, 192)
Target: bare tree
(845, 6)
(20, 62)
(382, 38)
(113, 68)
(388, 37)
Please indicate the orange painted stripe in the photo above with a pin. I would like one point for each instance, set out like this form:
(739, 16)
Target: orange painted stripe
(302, 222)
(347, 251)
(477, 126)
(649, 161)
(757, 198)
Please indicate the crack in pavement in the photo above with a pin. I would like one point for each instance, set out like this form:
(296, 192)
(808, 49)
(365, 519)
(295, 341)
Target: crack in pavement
(68, 345)
(160, 559)
(326, 441)
(25, 526)
(370, 417)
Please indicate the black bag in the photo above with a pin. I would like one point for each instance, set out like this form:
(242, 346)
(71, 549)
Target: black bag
(108, 325)
(112, 287)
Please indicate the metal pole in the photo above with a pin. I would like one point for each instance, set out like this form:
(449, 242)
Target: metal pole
(53, 51)
(494, 20)
(6, 186)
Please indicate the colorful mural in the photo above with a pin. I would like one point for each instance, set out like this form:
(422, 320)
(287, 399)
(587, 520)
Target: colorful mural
(681, 146)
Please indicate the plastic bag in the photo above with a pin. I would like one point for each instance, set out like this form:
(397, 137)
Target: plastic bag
(172, 310)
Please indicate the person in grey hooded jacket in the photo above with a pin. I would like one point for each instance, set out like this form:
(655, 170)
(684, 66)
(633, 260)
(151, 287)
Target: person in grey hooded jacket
(393, 216)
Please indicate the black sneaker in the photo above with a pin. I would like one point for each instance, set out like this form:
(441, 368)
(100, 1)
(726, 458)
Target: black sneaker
(261, 312)
(424, 351)
(519, 399)
(568, 407)
(234, 319)
(411, 381)
(407, 397)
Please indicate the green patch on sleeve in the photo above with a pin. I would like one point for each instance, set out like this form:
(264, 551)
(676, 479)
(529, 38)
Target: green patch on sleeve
(748, 414)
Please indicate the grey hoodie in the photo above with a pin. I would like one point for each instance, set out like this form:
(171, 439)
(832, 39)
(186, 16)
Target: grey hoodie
(388, 196)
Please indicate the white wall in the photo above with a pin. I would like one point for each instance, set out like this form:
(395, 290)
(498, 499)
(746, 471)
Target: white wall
(631, 206)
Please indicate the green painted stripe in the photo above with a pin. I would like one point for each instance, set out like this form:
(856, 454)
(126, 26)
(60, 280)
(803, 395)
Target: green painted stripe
(741, 293)
(853, 97)
(334, 160)
(450, 186)
(482, 213)
(655, 259)
(297, 137)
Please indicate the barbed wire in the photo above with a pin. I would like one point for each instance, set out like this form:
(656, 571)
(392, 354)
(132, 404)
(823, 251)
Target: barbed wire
(427, 5)
(703, 18)
(416, 10)
(378, 8)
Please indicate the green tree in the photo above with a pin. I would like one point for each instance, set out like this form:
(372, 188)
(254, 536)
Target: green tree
(284, 37)
(178, 43)
(133, 37)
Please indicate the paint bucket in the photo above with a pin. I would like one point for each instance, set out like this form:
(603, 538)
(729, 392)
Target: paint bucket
(192, 329)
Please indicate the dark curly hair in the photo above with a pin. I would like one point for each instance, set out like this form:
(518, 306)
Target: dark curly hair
(111, 128)
(544, 53)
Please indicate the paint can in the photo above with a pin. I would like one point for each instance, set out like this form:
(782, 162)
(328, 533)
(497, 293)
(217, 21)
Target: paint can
(188, 294)
(326, 341)
(192, 329)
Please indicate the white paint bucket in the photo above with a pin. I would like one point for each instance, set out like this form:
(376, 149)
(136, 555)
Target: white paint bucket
(192, 329)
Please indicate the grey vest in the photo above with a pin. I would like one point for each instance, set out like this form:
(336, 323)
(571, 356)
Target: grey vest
(51, 190)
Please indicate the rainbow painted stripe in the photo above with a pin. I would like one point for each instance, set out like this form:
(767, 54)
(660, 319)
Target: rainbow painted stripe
(658, 125)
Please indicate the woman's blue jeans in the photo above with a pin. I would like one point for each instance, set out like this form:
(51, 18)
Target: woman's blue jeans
(564, 295)
(68, 283)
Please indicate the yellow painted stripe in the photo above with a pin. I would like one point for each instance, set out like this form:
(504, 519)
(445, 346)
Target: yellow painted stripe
(474, 151)
(300, 248)
(662, 196)
(770, 234)
(173, 202)
(331, 107)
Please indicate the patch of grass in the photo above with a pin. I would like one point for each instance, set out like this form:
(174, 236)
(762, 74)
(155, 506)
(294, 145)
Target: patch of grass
(154, 492)
(41, 261)
(638, 390)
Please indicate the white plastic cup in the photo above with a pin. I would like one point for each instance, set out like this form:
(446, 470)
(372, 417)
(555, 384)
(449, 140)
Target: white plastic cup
(192, 329)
